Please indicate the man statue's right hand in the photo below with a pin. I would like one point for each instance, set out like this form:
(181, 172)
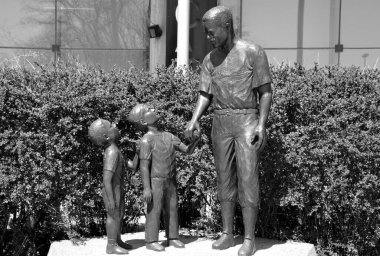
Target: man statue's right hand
(147, 194)
(190, 128)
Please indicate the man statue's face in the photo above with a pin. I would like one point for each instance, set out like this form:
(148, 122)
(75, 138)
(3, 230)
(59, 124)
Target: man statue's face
(216, 33)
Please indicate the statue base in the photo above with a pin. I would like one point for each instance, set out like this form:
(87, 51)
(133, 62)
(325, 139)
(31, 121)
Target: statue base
(194, 246)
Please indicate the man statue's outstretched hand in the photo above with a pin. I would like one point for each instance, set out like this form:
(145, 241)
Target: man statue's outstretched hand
(192, 128)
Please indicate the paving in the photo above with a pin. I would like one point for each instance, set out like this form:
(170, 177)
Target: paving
(195, 246)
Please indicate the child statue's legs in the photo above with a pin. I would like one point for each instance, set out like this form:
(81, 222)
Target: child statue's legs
(152, 223)
(113, 228)
(119, 241)
(171, 214)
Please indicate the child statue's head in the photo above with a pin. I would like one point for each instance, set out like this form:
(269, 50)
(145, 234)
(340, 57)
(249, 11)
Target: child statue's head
(143, 115)
(103, 132)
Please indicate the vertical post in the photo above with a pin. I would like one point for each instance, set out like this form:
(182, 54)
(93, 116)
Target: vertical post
(334, 26)
(340, 23)
(58, 49)
(301, 9)
(115, 30)
(157, 46)
(55, 32)
(183, 18)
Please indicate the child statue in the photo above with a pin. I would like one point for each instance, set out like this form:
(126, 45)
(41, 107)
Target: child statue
(158, 169)
(105, 134)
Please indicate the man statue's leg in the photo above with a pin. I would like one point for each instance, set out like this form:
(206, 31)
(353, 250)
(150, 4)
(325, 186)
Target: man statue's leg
(249, 218)
(247, 156)
(225, 165)
(227, 238)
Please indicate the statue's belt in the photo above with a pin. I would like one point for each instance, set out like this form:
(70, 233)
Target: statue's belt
(229, 111)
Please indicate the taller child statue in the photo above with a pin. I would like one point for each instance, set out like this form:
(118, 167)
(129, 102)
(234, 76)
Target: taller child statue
(235, 77)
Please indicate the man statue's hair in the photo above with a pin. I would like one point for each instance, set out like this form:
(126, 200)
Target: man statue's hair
(220, 15)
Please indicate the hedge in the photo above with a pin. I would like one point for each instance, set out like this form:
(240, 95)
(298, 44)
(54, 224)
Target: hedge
(319, 170)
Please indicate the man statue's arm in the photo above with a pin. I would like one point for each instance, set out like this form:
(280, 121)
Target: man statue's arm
(265, 101)
(203, 103)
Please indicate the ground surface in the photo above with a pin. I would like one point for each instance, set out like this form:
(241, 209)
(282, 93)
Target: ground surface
(195, 246)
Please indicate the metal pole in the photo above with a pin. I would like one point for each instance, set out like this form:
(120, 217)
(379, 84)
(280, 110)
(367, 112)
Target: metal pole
(183, 19)
(55, 32)
(301, 10)
(340, 22)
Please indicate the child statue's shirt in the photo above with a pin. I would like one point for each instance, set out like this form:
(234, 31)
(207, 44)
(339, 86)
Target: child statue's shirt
(160, 150)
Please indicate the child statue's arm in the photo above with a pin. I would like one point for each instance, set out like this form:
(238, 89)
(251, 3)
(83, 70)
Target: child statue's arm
(132, 164)
(189, 149)
(107, 182)
(145, 175)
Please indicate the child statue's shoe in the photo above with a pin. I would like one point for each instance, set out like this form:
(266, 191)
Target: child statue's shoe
(155, 246)
(224, 242)
(176, 243)
(124, 245)
(115, 249)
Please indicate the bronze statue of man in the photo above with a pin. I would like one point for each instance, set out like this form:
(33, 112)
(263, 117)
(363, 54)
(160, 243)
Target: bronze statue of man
(236, 79)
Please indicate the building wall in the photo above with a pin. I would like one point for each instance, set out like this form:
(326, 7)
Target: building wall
(274, 23)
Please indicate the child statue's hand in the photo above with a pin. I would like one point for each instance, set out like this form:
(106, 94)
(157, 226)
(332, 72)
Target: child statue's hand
(196, 136)
(147, 194)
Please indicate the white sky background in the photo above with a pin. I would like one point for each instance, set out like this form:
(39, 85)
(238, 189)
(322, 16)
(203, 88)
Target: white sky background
(14, 29)
(271, 23)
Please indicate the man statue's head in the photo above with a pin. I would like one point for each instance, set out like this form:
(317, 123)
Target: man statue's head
(218, 25)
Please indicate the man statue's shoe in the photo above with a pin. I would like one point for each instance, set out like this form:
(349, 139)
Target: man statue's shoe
(176, 243)
(124, 245)
(155, 246)
(224, 242)
(115, 249)
(248, 248)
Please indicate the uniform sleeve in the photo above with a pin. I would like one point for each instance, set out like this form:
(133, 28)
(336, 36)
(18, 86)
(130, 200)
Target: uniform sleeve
(261, 69)
(110, 160)
(145, 152)
(205, 82)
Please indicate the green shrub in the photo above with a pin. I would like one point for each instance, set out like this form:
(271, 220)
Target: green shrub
(319, 171)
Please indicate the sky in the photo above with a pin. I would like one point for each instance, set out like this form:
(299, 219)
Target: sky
(271, 23)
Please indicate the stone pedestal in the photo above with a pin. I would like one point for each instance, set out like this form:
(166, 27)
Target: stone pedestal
(194, 247)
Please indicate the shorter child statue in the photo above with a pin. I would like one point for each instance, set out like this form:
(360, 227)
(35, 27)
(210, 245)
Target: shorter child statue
(105, 134)
(158, 170)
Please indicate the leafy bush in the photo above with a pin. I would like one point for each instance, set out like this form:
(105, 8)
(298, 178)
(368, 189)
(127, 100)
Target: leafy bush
(319, 171)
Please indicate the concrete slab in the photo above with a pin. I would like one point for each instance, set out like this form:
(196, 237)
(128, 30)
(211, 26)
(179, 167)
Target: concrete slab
(194, 247)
